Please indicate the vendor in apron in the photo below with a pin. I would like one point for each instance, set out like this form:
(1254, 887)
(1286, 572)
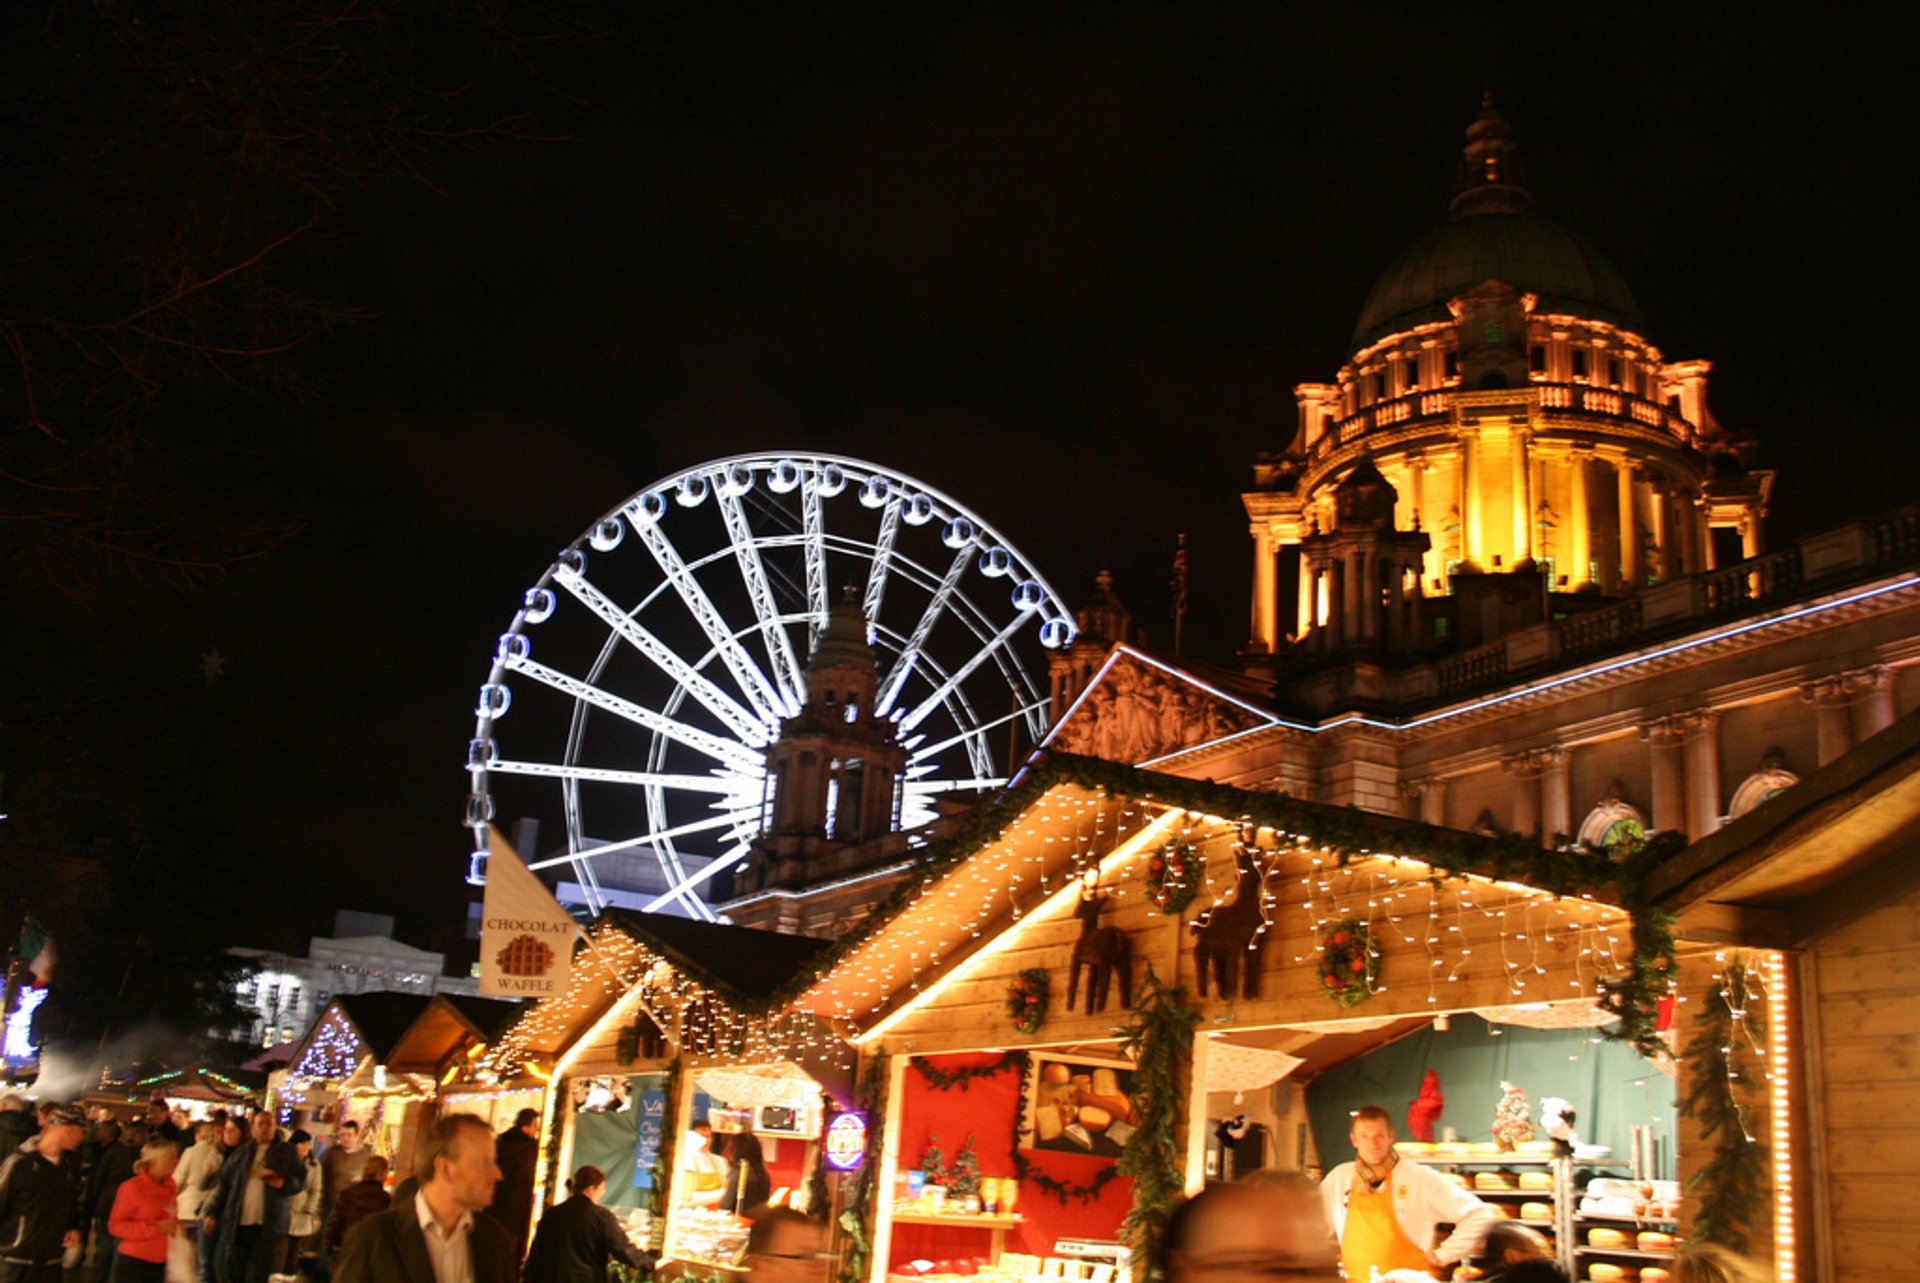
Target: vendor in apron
(1384, 1208)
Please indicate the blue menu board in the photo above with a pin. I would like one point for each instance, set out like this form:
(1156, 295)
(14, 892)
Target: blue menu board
(650, 1091)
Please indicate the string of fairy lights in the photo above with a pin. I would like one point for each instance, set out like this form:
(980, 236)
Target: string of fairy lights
(1761, 980)
(1071, 837)
(690, 1014)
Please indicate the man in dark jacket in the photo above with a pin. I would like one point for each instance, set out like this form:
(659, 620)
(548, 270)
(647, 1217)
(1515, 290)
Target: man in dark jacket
(252, 1208)
(119, 1148)
(518, 1152)
(438, 1236)
(41, 1213)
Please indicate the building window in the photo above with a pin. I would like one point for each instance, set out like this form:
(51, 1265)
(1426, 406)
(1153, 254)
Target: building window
(1537, 358)
(1410, 372)
(1453, 365)
(1579, 363)
(1768, 781)
(1613, 371)
(1611, 822)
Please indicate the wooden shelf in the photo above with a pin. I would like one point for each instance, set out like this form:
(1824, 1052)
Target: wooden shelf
(1635, 1253)
(978, 1220)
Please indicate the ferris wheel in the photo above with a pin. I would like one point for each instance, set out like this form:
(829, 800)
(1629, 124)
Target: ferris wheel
(633, 697)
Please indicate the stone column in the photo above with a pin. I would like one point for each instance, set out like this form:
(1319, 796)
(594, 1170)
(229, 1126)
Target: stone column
(1662, 531)
(1873, 700)
(1428, 795)
(1664, 736)
(1266, 605)
(1525, 769)
(1307, 622)
(1629, 529)
(1751, 545)
(1702, 728)
(1832, 732)
(1579, 528)
(1522, 510)
(1703, 536)
(1470, 547)
(1556, 797)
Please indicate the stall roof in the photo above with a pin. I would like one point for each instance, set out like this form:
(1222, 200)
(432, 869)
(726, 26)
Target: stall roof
(745, 966)
(932, 925)
(381, 1019)
(444, 1024)
(1812, 857)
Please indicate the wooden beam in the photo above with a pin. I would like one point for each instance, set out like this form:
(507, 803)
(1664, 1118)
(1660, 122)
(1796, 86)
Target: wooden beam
(1714, 922)
(1859, 893)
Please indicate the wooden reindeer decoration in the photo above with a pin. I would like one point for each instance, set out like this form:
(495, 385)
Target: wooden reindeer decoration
(1228, 936)
(1104, 951)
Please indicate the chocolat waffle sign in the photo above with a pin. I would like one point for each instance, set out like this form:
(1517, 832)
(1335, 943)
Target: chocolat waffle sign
(526, 938)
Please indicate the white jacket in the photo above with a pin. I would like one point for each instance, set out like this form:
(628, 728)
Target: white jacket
(1422, 1199)
(197, 1175)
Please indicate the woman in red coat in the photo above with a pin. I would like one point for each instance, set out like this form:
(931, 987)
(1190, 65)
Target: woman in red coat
(144, 1217)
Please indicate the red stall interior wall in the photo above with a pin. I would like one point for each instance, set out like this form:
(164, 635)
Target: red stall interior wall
(988, 1109)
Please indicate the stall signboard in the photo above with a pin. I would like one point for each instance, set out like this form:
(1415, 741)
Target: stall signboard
(846, 1141)
(651, 1092)
(1080, 1106)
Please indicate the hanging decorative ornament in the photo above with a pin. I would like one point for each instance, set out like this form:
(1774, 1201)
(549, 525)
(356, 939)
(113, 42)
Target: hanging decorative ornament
(1173, 877)
(1027, 1000)
(1349, 962)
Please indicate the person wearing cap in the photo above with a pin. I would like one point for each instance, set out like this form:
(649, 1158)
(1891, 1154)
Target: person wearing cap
(40, 1212)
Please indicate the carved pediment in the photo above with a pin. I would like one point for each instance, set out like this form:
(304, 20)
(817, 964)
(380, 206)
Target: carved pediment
(1138, 711)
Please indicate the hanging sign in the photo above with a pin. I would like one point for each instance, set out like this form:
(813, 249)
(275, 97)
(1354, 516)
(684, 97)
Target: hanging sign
(526, 938)
(846, 1141)
(652, 1095)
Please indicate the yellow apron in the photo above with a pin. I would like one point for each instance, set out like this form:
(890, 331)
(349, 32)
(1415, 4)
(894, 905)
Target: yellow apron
(1373, 1238)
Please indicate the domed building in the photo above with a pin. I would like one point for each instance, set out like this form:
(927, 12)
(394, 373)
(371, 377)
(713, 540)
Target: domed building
(1501, 380)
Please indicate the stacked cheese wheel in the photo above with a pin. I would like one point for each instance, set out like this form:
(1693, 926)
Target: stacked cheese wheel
(1607, 1272)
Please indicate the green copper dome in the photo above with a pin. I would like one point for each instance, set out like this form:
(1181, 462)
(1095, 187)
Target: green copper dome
(1493, 234)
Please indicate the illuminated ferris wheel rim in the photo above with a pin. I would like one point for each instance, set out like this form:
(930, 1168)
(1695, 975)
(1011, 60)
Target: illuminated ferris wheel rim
(750, 719)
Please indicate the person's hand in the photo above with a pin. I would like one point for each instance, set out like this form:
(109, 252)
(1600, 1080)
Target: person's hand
(1438, 1268)
(274, 1179)
(71, 1239)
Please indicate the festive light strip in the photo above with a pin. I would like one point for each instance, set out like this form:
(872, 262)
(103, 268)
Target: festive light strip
(1780, 1101)
(1504, 697)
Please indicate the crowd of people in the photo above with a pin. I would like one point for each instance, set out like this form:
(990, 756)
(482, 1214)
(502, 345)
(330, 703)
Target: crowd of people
(236, 1199)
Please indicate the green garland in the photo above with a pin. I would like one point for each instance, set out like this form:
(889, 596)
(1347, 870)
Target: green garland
(856, 1219)
(1173, 877)
(1027, 1000)
(1349, 962)
(663, 1157)
(1160, 1040)
(1729, 1193)
(947, 1079)
(1027, 1174)
(1350, 834)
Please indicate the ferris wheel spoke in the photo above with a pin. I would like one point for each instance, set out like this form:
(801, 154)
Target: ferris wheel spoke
(787, 675)
(711, 697)
(910, 653)
(759, 692)
(882, 563)
(685, 888)
(961, 674)
(724, 785)
(729, 820)
(924, 751)
(813, 534)
(729, 751)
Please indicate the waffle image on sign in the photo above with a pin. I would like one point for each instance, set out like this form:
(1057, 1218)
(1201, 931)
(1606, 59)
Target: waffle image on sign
(525, 956)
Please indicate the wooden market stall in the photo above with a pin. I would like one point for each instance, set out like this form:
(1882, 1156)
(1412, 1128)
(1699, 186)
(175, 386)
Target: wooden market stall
(1026, 1002)
(1800, 922)
(398, 1093)
(666, 1022)
(352, 1033)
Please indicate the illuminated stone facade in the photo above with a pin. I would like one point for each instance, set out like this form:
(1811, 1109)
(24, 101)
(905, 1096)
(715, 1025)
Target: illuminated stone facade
(1500, 384)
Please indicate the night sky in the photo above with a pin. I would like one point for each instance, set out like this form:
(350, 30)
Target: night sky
(1064, 265)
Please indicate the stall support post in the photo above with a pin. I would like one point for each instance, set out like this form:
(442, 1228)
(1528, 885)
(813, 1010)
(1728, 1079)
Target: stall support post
(889, 1164)
(679, 1117)
(1190, 1080)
